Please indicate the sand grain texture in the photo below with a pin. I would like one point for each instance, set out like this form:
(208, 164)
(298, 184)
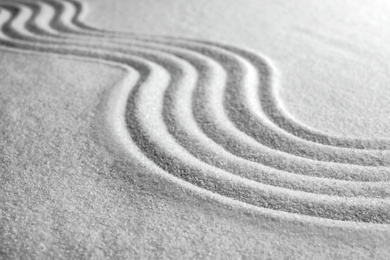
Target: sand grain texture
(127, 144)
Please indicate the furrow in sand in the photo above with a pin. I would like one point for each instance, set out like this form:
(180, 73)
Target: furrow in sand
(149, 132)
(179, 120)
(68, 18)
(265, 133)
(271, 105)
(270, 102)
(200, 69)
(369, 174)
(241, 96)
(205, 77)
(147, 127)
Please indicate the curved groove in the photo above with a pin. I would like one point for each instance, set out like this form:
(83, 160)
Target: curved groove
(269, 98)
(366, 176)
(267, 102)
(169, 71)
(279, 163)
(270, 106)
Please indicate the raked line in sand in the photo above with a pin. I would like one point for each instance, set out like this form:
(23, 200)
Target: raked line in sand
(209, 114)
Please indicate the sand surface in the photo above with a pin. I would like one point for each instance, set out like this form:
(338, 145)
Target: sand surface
(194, 129)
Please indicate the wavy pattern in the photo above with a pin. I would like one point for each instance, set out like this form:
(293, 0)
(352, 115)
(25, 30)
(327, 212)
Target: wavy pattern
(209, 114)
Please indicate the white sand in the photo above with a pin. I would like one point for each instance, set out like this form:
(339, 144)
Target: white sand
(209, 130)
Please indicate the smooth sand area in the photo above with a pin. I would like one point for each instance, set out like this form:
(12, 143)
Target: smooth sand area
(194, 130)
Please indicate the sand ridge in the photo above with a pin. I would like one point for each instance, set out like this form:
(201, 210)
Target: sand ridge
(208, 113)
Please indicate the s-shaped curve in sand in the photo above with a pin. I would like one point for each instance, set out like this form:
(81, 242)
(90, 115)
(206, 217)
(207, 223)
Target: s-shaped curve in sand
(207, 115)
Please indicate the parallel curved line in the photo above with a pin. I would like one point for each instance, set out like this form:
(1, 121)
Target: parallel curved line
(377, 159)
(357, 173)
(270, 102)
(362, 160)
(73, 11)
(205, 153)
